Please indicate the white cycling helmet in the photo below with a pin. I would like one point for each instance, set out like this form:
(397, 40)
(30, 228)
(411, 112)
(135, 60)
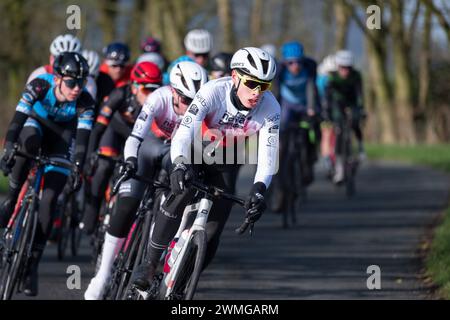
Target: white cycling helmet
(187, 77)
(154, 57)
(344, 58)
(270, 48)
(198, 41)
(93, 60)
(328, 65)
(65, 43)
(255, 62)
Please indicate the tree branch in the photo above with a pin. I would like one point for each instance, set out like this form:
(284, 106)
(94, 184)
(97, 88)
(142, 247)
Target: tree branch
(439, 15)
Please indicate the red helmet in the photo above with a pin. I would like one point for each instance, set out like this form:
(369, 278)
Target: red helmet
(150, 44)
(148, 74)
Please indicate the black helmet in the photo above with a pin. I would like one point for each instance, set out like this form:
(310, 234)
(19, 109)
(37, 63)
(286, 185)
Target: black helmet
(118, 52)
(221, 62)
(71, 64)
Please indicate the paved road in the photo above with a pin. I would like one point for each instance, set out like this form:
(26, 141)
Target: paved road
(326, 256)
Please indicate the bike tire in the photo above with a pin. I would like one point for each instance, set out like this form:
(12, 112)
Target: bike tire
(19, 258)
(64, 237)
(191, 268)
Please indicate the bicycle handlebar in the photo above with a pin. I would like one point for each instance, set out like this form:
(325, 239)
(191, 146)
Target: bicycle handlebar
(44, 160)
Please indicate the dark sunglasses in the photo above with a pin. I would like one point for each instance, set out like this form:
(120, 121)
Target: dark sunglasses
(292, 62)
(72, 83)
(253, 83)
(183, 98)
(204, 55)
(121, 66)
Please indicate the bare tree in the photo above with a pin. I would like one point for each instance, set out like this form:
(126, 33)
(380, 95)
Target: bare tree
(256, 21)
(226, 20)
(445, 24)
(342, 14)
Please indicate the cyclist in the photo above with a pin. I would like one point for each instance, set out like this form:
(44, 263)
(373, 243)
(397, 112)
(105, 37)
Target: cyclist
(271, 49)
(144, 153)
(238, 106)
(113, 126)
(198, 44)
(220, 65)
(62, 43)
(49, 101)
(297, 96)
(115, 64)
(154, 57)
(153, 45)
(325, 70)
(344, 90)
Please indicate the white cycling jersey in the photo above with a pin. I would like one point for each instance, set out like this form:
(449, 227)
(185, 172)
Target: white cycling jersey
(159, 107)
(212, 104)
(91, 86)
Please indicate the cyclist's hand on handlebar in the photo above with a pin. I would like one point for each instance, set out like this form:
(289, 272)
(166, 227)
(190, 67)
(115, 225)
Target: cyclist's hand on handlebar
(7, 162)
(255, 204)
(129, 168)
(181, 173)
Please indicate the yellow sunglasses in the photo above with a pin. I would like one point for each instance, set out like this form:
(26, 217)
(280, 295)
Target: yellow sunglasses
(253, 83)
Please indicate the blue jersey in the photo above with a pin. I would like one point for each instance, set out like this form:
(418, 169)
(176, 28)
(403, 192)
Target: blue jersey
(293, 88)
(39, 96)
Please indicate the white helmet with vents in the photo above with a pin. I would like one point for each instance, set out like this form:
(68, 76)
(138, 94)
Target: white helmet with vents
(187, 77)
(65, 43)
(93, 60)
(154, 57)
(198, 41)
(344, 58)
(255, 62)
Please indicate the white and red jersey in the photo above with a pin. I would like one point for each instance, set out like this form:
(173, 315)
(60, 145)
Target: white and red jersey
(158, 109)
(213, 106)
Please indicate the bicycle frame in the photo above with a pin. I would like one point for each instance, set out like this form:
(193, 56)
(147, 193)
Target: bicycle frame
(202, 209)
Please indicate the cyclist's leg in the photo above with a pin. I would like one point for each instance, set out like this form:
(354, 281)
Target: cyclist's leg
(110, 146)
(57, 147)
(356, 126)
(30, 140)
(151, 152)
(339, 146)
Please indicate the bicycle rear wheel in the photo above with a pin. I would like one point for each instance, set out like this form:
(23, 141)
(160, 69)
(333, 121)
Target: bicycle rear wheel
(191, 266)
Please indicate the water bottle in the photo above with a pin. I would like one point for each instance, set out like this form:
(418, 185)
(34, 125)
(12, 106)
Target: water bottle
(176, 248)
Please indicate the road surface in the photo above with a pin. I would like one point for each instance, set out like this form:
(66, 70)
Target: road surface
(326, 255)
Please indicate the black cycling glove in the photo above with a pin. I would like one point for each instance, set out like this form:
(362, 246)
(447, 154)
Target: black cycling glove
(256, 204)
(130, 167)
(181, 173)
(7, 161)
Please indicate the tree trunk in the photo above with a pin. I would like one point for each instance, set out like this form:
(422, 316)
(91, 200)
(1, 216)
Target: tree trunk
(342, 22)
(226, 21)
(108, 13)
(402, 75)
(256, 22)
(134, 35)
(380, 79)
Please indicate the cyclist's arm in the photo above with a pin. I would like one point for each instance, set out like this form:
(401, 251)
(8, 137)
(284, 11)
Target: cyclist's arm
(268, 142)
(34, 91)
(111, 104)
(85, 121)
(120, 126)
(150, 109)
(311, 95)
(190, 126)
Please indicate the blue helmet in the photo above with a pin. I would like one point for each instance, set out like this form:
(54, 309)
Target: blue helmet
(292, 50)
(118, 52)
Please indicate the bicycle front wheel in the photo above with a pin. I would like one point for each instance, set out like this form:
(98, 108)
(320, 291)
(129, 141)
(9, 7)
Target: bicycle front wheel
(185, 284)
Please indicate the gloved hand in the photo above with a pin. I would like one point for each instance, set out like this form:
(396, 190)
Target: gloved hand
(181, 173)
(91, 165)
(76, 178)
(130, 167)
(7, 162)
(256, 204)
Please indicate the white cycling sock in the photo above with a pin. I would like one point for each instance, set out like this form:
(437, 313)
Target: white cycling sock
(110, 248)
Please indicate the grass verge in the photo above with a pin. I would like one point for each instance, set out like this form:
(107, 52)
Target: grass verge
(437, 260)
